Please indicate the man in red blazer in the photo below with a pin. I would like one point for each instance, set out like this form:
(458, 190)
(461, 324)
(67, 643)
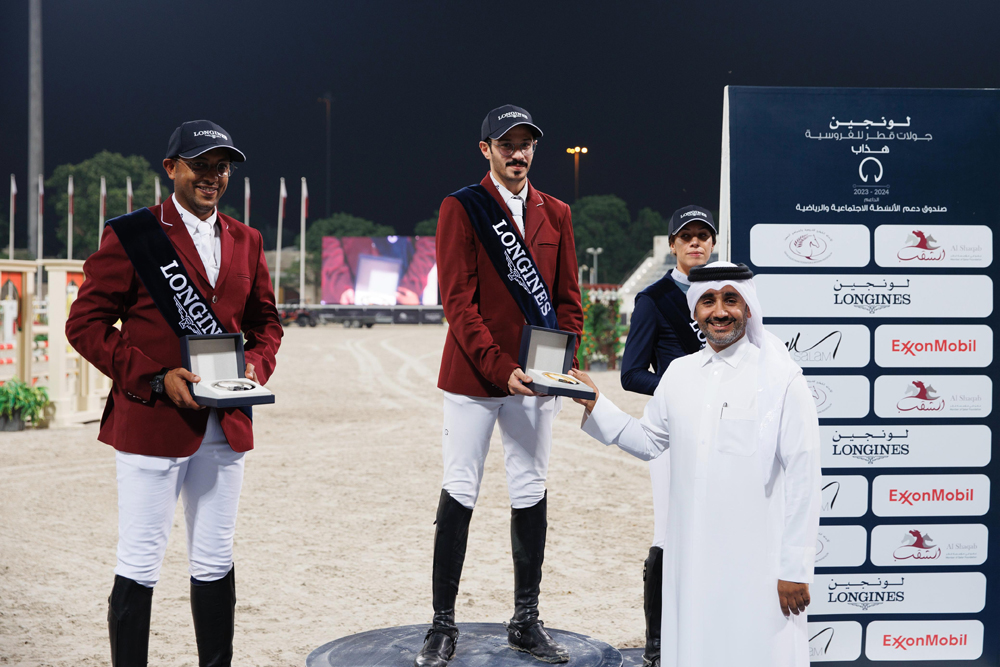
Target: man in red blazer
(483, 383)
(167, 445)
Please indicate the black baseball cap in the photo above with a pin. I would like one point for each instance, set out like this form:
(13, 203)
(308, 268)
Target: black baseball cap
(500, 120)
(682, 216)
(195, 137)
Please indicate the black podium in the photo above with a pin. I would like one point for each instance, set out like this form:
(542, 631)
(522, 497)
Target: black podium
(479, 645)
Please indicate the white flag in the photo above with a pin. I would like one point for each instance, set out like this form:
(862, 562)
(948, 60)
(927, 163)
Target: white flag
(246, 200)
(69, 191)
(13, 186)
(156, 190)
(128, 194)
(305, 199)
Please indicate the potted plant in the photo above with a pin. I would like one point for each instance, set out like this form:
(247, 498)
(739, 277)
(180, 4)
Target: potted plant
(20, 403)
(601, 343)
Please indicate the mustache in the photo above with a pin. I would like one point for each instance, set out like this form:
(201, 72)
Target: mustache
(720, 320)
(521, 163)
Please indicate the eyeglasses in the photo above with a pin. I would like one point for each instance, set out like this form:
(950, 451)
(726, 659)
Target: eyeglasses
(508, 148)
(201, 167)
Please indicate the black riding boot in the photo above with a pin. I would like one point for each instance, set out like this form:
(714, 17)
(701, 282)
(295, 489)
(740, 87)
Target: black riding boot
(213, 607)
(527, 539)
(450, 538)
(129, 607)
(652, 604)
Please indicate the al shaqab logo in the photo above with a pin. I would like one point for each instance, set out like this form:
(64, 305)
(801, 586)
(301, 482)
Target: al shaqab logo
(920, 397)
(921, 247)
(918, 546)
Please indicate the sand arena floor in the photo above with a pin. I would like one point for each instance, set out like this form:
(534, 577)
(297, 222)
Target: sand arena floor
(336, 519)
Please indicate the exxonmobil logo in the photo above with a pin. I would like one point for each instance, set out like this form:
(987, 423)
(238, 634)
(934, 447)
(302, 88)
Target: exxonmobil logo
(913, 347)
(924, 640)
(931, 495)
(935, 496)
(941, 345)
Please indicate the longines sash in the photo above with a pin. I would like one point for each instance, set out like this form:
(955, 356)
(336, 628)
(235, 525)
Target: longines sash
(163, 275)
(509, 256)
(672, 304)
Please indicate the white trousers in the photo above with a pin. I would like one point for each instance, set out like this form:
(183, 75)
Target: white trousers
(659, 474)
(526, 432)
(148, 488)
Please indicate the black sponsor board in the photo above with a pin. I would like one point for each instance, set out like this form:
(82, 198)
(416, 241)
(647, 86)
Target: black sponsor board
(868, 201)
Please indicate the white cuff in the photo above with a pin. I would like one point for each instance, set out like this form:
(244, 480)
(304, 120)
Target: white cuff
(605, 422)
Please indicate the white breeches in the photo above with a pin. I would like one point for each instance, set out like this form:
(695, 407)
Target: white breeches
(659, 474)
(526, 432)
(148, 488)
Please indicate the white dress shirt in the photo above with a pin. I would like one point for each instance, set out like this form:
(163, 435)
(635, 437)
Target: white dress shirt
(205, 234)
(515, 202)
(207, 240)
(729, 537)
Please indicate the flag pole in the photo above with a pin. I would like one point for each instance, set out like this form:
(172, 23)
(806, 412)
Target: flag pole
(302, 243)
(156, 191)
(13, 209)
(41, 217)
(102, 210)
(277, 254)
(69, 220)
(246, 200)
(128, 194)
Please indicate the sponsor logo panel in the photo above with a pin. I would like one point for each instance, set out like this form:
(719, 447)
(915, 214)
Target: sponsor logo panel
(898, 593)
(844, 496)
(909, 446)
(841, 546)
(834, 641)
(933, 396)
(934, 345)
(931, 495)
(822, 346)
(934, 246)
(811, 245)
(929, 544)
(924, 640)
(884, 296)
(840, 396)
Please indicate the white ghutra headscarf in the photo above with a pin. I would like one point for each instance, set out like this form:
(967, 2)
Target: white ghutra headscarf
(775, 370)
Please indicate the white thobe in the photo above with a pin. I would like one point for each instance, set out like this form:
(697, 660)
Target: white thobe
(729, 537)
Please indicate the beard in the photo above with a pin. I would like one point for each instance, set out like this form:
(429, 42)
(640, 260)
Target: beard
(723, 340)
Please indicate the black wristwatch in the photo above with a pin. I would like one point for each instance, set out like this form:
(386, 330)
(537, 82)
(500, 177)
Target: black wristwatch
(157, 382)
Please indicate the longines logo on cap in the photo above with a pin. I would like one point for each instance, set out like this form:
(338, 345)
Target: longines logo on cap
(697, 213)
(808, 246)
(512, 114)
(921, 247)
(922, 397)
(211, 133)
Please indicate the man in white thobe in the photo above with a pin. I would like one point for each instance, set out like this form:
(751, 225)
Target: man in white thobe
(744, 484)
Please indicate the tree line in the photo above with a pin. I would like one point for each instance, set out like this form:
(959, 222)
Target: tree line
(598, 221)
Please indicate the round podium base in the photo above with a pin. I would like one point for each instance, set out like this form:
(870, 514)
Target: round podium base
(631, 657)
(479, 645)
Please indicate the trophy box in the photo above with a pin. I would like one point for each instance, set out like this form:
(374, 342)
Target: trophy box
(218, 360)
(546, 357)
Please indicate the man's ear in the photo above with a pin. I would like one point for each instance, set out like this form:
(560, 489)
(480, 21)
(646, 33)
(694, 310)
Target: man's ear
(485, 149)
(169, 166)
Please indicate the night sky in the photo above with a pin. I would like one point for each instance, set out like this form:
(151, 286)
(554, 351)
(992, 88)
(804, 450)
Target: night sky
(639, 83)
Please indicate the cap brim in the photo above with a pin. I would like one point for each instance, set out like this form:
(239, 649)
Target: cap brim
(537, 130)
(238, 155)
(688, 222)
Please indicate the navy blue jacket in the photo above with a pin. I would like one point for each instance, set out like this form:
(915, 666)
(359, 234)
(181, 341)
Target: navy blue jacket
(652, 342)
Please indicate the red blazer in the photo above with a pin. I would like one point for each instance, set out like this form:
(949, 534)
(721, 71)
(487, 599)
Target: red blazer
(134, 419)
(484, 333)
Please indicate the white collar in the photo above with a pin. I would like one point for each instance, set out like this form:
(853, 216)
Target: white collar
(679, 276)
(732, 355)
(190, 220)
(507, 194)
